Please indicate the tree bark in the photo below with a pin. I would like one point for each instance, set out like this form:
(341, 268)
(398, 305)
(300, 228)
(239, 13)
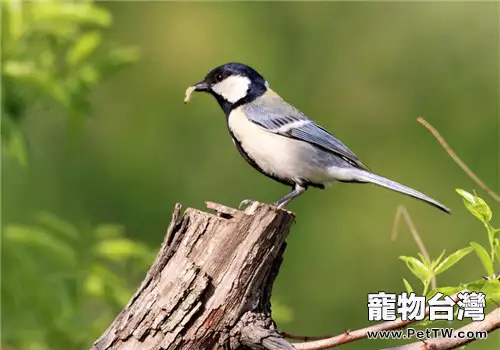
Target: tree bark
(210, 285)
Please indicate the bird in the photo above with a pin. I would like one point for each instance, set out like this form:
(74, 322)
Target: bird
(281, 142)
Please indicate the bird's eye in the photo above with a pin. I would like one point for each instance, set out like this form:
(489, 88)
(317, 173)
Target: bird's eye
(218, 77)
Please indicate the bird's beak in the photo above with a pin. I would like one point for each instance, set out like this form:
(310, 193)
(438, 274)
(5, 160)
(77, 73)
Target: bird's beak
(201, 86)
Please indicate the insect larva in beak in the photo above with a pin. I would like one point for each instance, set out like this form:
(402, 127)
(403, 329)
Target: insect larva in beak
(189, 92)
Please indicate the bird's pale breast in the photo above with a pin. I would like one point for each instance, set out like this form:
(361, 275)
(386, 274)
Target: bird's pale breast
(277, 155)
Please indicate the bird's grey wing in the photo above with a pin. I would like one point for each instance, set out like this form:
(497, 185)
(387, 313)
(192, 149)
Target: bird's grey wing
(275, 115)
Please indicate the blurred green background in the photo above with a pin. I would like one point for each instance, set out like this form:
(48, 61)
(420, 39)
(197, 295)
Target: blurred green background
(364, 71)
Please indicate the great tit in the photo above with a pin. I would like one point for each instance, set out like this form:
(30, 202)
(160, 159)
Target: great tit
(279, 141)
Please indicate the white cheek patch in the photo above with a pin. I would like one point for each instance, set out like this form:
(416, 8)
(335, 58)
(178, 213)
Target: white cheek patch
(233, 88)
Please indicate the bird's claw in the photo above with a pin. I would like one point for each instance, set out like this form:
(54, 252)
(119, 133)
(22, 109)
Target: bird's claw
(245, 204)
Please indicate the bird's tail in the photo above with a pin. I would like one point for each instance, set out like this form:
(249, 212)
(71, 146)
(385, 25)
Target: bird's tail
(366, 176)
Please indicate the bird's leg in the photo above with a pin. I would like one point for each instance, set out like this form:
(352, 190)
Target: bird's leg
(297, 191)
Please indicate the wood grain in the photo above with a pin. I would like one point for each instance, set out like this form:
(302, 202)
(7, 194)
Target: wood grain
(210, 284)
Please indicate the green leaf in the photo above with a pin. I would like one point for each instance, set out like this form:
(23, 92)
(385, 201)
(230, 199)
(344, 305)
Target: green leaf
(449, 290)
(417, 268)
(475, 286)
(53, 222)
(89, 75)
(18, 69)
(437, 261)
(106, 231)
(424, 259)
(408, 287)
(476, 205)
(40, 238)
(15, 16)
(94, 285)
(489, 287)
(491, 235)
(492, 290)
(452, 259)
(121, 249)
(83, 48)
(41, 79)
(74, 13)
(484, 257)
(497, 249)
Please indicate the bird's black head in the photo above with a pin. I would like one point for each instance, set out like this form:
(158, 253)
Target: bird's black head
(233, 84)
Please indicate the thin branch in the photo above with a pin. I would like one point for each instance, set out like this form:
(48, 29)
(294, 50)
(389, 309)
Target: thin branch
(402, 212)
(305, 338)
(490, 323)
(350, 336)
(457, 160)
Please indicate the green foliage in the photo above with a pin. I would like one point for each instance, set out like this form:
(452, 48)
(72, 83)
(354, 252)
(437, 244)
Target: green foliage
(61, 287)
(490, 287)
(425, 270)
(52, 56)
(408, 287)
(139, 160)
(482, 211)
(76, 273)
(477, 206)
(484, 257)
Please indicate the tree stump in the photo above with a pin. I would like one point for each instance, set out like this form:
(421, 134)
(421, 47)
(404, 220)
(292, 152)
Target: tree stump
(210, 284)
